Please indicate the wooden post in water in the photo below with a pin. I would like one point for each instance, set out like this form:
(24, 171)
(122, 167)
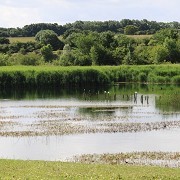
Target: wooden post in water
(108, 96)
(135, 97)
(142, 99)
(105, 95)
(147, 99)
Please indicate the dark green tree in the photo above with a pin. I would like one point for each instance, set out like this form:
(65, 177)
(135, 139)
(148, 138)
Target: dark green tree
(46, 37)
(101, 55)
(4, 40)
(130, 30)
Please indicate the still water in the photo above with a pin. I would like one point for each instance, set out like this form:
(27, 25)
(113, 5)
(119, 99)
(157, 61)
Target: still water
(65, 147)
(22, 111)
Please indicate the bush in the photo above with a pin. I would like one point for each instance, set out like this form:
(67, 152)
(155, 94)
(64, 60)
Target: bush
(47, 53)
(4, 40)
(4, 59)
(30, 59)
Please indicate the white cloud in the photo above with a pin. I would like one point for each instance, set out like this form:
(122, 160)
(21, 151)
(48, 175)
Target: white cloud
(14, 17)
(20, 12)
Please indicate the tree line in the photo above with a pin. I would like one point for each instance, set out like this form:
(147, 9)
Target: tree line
(88, 48)
(125, 26)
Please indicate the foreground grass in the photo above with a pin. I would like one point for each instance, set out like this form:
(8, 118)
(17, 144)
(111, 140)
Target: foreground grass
(16, 169)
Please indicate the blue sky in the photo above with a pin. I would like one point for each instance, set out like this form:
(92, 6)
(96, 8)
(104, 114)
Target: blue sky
(17, 13)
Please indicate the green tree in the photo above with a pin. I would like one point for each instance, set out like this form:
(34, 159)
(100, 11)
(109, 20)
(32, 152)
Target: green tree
(159, 54)
(161, 35)
(84, 42)
(141, 55)
(130, 30)
(107, 39)
(46, 37)
(4, 40)
(67, 58)
(101, 55)
(173, 50)
(81, 59)
(47, 52)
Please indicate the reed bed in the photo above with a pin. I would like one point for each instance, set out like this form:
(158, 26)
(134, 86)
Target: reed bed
(170, 101)
(54, 76)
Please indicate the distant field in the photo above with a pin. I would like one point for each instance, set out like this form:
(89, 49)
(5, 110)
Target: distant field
(21, 39)
(140, 36)
(26, 39)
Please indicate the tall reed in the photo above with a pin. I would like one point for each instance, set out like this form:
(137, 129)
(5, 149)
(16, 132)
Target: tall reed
(57, 76)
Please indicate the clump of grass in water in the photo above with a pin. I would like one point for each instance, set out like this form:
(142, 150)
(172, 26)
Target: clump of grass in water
(169, 101)
(56, 127)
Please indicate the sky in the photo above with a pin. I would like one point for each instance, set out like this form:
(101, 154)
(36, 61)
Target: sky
(18, 13)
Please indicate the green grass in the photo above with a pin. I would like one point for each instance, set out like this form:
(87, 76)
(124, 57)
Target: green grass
(16, 169)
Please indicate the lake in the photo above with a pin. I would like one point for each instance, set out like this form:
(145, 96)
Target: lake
(56, 124)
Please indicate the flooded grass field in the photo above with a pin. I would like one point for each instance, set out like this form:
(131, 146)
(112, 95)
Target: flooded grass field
(78, 124)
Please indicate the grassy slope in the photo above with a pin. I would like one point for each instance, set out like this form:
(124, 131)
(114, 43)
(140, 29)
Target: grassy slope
(15, 169)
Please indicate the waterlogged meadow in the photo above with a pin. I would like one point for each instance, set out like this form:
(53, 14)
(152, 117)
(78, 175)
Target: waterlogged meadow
(124, 123)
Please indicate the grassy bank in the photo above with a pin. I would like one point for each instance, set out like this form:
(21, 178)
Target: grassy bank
(56, 76)
(15, 169)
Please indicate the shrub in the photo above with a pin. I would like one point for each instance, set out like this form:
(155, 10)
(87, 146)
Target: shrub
(4, 59)
(30, 59)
